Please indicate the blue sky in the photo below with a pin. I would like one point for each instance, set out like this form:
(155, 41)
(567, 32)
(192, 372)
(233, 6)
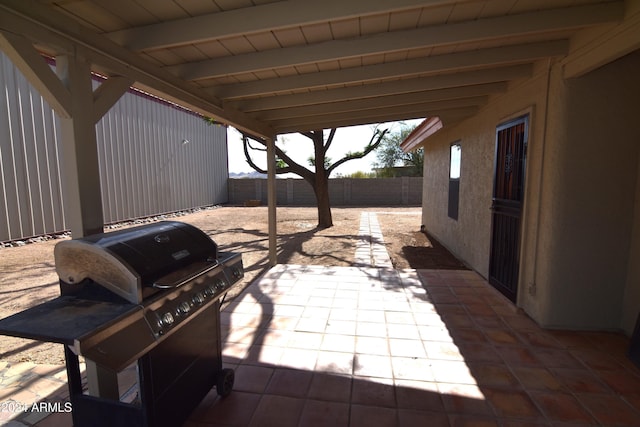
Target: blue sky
(299, 148)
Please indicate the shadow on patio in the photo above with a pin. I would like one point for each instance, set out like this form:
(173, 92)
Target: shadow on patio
(352, 346)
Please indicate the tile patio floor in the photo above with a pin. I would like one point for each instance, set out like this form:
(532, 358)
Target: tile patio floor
(347, 346)
(364, 346)
(360, 346)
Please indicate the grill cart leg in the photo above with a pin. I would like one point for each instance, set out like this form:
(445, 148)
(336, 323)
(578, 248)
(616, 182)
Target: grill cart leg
(91, 411)
(102, 382)
(74, 378)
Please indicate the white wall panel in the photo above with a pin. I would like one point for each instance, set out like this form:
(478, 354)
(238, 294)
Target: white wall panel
(145, 167)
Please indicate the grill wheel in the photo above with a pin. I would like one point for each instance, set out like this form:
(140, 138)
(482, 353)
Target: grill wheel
(224, 383)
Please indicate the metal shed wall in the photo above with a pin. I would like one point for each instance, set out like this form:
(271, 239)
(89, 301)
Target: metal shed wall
(154, 158)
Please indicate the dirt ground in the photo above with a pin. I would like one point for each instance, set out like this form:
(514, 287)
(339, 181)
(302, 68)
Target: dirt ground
(28, 277)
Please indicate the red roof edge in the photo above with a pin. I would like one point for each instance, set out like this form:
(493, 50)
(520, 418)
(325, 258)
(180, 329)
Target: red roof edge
(424, 130)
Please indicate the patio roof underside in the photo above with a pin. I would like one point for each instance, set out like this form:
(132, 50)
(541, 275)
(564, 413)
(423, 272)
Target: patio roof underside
(269, 67)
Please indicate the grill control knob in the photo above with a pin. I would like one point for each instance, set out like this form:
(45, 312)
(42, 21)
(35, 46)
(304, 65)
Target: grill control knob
(219, 284)
(198, 298)
(167, 319)
(236, 273)
(184, 308)
(210, 291)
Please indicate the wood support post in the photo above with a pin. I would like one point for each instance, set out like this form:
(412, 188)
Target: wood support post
(80, 166)
(271, 200)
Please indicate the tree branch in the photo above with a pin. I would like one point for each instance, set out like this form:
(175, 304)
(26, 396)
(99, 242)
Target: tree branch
(247, 156)
(329, 140)
(308, 134)
(255, 148)
(369, 148)
(292, 166)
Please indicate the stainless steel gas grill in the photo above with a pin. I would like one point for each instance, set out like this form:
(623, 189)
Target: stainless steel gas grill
(148, 296)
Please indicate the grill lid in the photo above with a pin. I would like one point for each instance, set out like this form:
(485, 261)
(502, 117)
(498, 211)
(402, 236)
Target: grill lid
(126, 260)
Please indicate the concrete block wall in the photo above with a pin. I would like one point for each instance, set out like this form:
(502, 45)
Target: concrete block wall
(403, 191)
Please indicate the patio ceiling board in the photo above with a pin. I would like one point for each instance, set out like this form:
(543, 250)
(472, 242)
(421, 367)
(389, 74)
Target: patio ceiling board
(502, 27)
(374, 24)
(212, 49)
(468, 11)
(463, 92)
(188, 53)
(197, 7)
(417, 98)
(399, 86)
(162, 10)
(128, 13)
(372, 118)
(365, 116)
(407, 68)
(92, 15)
(263, 41)
(268, 65)
(247, 20)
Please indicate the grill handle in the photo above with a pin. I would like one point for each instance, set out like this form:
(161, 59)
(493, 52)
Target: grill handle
(180, 277)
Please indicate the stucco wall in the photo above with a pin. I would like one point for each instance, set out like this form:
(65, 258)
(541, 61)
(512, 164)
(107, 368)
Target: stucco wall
(631, 306)
(581, 186)
(593, 179)
(469, 235)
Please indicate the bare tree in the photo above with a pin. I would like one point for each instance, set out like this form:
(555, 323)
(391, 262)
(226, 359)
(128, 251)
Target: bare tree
(319, 177)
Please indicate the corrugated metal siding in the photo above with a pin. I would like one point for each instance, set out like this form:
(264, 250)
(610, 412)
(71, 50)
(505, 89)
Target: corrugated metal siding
(145, 166)
(172, 161)
(29, 176)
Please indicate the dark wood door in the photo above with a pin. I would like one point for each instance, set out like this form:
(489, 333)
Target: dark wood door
(508, 195)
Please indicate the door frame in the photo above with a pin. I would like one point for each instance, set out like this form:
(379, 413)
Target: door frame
(520, 119)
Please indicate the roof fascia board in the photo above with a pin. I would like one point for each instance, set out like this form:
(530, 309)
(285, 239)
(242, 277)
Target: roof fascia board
(421, 133)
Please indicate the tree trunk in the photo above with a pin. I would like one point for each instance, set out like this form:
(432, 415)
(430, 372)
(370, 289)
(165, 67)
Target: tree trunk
(319, 180)
(321, 185)
(324, 204)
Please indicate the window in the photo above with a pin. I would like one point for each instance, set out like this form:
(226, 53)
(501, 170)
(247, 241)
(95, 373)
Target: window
(455, 159)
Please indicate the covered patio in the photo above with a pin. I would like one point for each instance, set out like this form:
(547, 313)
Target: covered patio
(374, 346)
(315, 345)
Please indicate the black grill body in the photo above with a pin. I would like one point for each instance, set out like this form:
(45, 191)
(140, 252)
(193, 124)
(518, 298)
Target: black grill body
(147, 297)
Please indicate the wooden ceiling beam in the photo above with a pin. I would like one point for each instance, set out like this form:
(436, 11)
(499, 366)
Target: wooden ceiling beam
(537, 22)
(467, 78)
(255, 19)
(42, 25)
(424, 109)
(108, 93)
(380, 116)
(364, 105)
(412, 67)
(424, 96)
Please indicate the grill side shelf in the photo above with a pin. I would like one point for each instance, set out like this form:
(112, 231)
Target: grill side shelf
(63, 320)
(120, 344)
